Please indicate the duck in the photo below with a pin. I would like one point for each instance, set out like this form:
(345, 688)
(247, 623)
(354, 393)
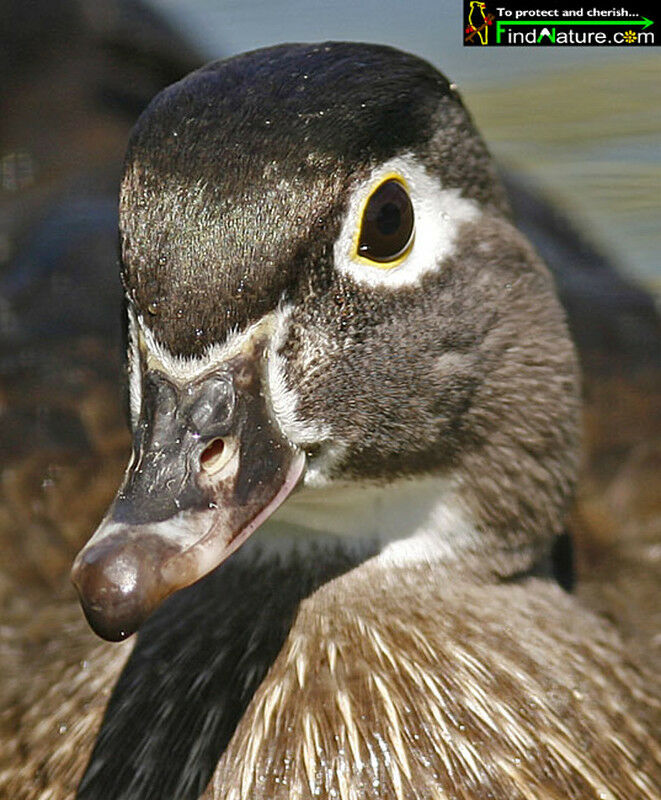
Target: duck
(355, 413)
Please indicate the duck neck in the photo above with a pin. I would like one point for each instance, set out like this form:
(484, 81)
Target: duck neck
(426, 519)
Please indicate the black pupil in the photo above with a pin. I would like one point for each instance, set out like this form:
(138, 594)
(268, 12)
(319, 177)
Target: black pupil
(387, 226)
(389, 219)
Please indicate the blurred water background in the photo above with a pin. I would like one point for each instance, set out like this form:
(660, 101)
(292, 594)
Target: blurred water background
(585, 124)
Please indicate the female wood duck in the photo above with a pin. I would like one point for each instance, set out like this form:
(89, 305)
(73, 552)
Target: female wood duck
(354, 405)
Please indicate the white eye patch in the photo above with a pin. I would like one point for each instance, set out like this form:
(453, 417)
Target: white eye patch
(438, 215)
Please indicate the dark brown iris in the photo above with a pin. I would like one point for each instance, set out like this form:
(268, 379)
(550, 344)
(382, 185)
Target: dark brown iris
(386, 230)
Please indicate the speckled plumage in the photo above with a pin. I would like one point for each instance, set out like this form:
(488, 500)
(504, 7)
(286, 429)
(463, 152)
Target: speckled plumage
(410, 684)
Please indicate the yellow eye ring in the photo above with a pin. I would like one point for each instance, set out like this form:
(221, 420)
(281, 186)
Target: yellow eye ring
(386, 232)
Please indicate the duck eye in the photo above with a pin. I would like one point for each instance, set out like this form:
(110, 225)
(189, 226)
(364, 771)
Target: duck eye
(386, 230)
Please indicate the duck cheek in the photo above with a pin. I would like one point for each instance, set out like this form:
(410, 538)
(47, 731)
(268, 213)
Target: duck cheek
(208, 468)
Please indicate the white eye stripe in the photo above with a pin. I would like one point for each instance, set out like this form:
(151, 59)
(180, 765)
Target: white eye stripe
(182, 369)
(134, 367)
(438, 215)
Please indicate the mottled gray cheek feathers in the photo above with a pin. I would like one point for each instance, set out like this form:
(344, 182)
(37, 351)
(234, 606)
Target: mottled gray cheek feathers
(469, 373)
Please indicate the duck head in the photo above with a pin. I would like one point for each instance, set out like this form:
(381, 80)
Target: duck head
(326, 299)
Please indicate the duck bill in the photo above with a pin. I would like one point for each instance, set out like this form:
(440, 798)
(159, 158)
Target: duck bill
(208, 467)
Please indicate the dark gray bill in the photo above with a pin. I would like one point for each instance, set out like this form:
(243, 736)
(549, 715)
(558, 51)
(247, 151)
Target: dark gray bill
(208, 467)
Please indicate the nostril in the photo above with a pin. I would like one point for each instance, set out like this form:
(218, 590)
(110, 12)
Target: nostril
(213, 456)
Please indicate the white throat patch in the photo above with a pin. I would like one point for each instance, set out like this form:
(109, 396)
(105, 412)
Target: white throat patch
(410, 520)
(438, 215)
